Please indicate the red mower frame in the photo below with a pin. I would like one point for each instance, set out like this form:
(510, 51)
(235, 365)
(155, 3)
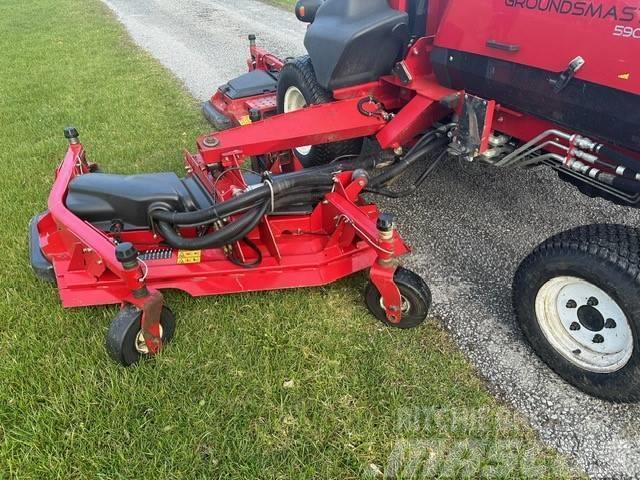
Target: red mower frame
(342, 235)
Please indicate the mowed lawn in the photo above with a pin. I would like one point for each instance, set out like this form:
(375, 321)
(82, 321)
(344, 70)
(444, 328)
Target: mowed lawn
(298, 384)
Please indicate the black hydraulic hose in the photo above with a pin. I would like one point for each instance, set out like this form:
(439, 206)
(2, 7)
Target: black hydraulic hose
(245, 200)
(321, 176)
(229, 234)
(304, 194)
(412, 189)
(300, 199)
(236, 261)
(402, 166)
(626, 184)
(236, 230)
(619, 158)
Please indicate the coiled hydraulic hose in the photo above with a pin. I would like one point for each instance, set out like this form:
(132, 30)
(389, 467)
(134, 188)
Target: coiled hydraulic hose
(246, 200)
(309, 185)
(231, 233)
(238, 229)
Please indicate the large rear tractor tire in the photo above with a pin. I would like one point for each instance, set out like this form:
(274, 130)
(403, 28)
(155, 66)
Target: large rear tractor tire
(577, 299)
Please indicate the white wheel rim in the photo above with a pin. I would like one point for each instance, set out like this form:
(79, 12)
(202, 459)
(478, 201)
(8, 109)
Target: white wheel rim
(294, 100)
(584, 324)
(141, 344)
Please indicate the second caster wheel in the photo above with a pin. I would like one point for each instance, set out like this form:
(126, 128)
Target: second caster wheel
(125, 342)
(416, 300)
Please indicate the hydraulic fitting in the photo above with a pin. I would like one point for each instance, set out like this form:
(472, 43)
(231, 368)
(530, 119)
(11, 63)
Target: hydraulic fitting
(385, 226)
(255, 115)
(127, 255)
(72, 135)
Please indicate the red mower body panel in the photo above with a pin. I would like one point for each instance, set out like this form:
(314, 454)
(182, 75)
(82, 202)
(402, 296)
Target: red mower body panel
(548, 34)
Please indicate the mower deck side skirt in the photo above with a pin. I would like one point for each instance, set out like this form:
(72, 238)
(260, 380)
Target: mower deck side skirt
(315, 125)
(217, 278)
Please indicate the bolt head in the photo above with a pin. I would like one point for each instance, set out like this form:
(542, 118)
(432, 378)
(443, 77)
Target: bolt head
(211, 141)
(610, 323)
(572, 304)
(598, 338)
(575, 326)
(593, 302)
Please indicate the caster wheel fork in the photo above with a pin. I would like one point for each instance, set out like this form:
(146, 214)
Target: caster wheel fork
(414, 300)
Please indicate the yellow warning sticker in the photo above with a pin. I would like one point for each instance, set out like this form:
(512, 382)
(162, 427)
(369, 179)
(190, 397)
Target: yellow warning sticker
(624, 76)
(245, 120)
(189, 256)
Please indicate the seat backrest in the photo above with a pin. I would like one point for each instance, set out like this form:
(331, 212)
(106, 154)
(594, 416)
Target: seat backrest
(355, 41)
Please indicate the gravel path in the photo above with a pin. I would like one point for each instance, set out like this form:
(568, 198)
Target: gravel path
(470, 226)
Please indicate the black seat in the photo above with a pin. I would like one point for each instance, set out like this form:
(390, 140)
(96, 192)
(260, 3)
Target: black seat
(355, 41)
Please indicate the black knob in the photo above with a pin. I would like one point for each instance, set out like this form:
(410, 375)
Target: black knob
(252, 38)
(255, 115)
(71, 133)
(385, 222)
(126, 253)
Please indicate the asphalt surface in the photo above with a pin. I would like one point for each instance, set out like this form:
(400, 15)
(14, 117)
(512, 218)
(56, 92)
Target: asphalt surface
(470, 226)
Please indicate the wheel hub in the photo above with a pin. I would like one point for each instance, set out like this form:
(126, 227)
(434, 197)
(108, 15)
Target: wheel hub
(584, 324)
(141, 344)
(591, 318)
(294, 100)
(405, 306)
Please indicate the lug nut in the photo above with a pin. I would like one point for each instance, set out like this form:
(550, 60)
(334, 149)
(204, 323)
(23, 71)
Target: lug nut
(593, 302)
(575, 326)
(598, 339)
(610, 323)
(572, 304)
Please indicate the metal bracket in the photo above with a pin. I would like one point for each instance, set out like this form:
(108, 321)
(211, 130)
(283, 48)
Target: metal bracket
(566, 76)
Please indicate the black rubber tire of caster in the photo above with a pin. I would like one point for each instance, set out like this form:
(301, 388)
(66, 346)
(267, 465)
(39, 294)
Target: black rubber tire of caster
(124, 330)
(298, 73)
(415, 293)
(578, 337)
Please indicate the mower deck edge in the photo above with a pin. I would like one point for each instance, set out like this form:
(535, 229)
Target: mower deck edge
(42, 267)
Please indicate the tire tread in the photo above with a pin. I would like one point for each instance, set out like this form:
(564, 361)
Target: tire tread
(616, 249)
(320, 154)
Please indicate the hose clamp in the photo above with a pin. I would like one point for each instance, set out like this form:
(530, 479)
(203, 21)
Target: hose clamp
(268, 181)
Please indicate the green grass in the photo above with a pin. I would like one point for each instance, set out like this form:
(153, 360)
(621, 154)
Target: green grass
(300, 384)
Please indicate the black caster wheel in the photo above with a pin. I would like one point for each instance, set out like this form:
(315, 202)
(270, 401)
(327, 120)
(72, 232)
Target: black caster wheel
(416, 300)
(576, 299)
(125, 342)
